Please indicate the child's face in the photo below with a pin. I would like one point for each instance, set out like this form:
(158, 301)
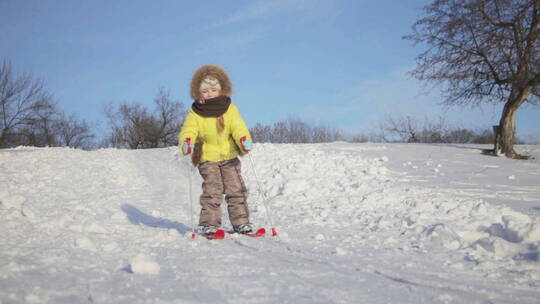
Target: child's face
(210, 93)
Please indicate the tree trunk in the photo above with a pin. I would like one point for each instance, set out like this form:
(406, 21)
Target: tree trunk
(497, 138)
(507, 124)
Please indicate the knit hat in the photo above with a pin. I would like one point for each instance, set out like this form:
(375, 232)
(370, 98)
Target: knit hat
(210, 83)
(208, 75)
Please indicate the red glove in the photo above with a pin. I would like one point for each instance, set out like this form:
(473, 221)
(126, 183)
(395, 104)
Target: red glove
(187, 147)
(245, 144)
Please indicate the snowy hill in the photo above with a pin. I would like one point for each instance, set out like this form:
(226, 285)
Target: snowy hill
(358, 223)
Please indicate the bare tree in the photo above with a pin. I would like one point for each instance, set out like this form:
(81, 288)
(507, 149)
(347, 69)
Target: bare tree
(170, 114)
(127, 125)
(461, 136)
(21, 98)
(39, 129)
(30, 116)
(483, 51)
(73, 132)
(405, 128)
(135, 127)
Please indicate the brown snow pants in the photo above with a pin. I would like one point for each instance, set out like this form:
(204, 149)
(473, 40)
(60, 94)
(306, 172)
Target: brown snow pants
(223, 178)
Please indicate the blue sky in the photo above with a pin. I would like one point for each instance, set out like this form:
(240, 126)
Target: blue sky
(339, 63)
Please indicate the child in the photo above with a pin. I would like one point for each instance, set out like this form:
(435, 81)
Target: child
(215, 134)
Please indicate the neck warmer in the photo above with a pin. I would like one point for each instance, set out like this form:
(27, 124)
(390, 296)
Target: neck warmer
(213, 107)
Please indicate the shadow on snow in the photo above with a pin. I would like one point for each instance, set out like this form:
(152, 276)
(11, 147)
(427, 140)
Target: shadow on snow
(137, 217)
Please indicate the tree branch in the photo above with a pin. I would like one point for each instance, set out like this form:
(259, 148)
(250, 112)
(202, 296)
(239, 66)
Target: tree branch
(486, 60)
(533, 30)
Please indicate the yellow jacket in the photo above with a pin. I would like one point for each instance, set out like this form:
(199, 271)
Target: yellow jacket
(216, 146)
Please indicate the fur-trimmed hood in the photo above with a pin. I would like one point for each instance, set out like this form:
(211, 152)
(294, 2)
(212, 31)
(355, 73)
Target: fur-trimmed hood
(214, 71)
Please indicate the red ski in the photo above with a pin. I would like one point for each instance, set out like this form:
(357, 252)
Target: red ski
(220, 234)
(261, 232)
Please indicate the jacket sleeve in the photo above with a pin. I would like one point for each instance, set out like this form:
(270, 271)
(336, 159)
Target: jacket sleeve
(190, 129)
(238, 126)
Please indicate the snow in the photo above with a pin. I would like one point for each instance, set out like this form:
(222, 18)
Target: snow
(144, 264)
(358, 223)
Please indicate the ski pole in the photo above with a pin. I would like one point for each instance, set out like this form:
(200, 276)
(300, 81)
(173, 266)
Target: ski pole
(190, 173)
(268, 215)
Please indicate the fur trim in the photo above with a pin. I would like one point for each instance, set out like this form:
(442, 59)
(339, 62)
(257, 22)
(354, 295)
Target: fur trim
(196, 156)
(214, 71)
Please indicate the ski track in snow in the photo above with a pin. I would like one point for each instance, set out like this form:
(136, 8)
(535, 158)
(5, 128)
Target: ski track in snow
(358, 223)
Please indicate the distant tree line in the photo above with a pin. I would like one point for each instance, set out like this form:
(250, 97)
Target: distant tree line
(294, 130)
(411, 130)
(401, 129)
(29, 116)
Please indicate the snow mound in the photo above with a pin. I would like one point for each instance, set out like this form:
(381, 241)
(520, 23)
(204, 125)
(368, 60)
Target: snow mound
(143, 264)
(332, 190)
(358, 223)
